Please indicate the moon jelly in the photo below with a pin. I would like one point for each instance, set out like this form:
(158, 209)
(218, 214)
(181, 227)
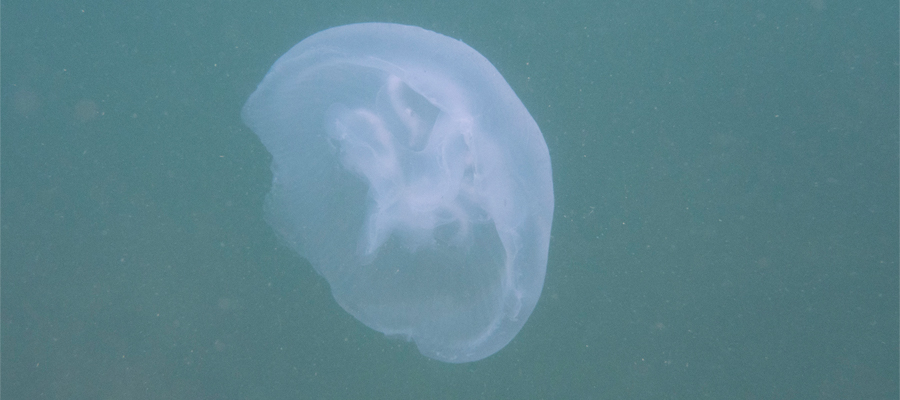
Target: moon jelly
(412, 178)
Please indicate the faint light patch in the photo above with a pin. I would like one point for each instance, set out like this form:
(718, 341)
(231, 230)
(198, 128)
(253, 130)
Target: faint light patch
(818, 5)
(85, 110)
(26, 102)
(229, 305)
(225, 304)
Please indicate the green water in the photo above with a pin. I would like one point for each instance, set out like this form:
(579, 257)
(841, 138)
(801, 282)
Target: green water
(726, 221)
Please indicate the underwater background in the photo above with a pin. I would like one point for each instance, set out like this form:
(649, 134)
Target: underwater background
(725, 176)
